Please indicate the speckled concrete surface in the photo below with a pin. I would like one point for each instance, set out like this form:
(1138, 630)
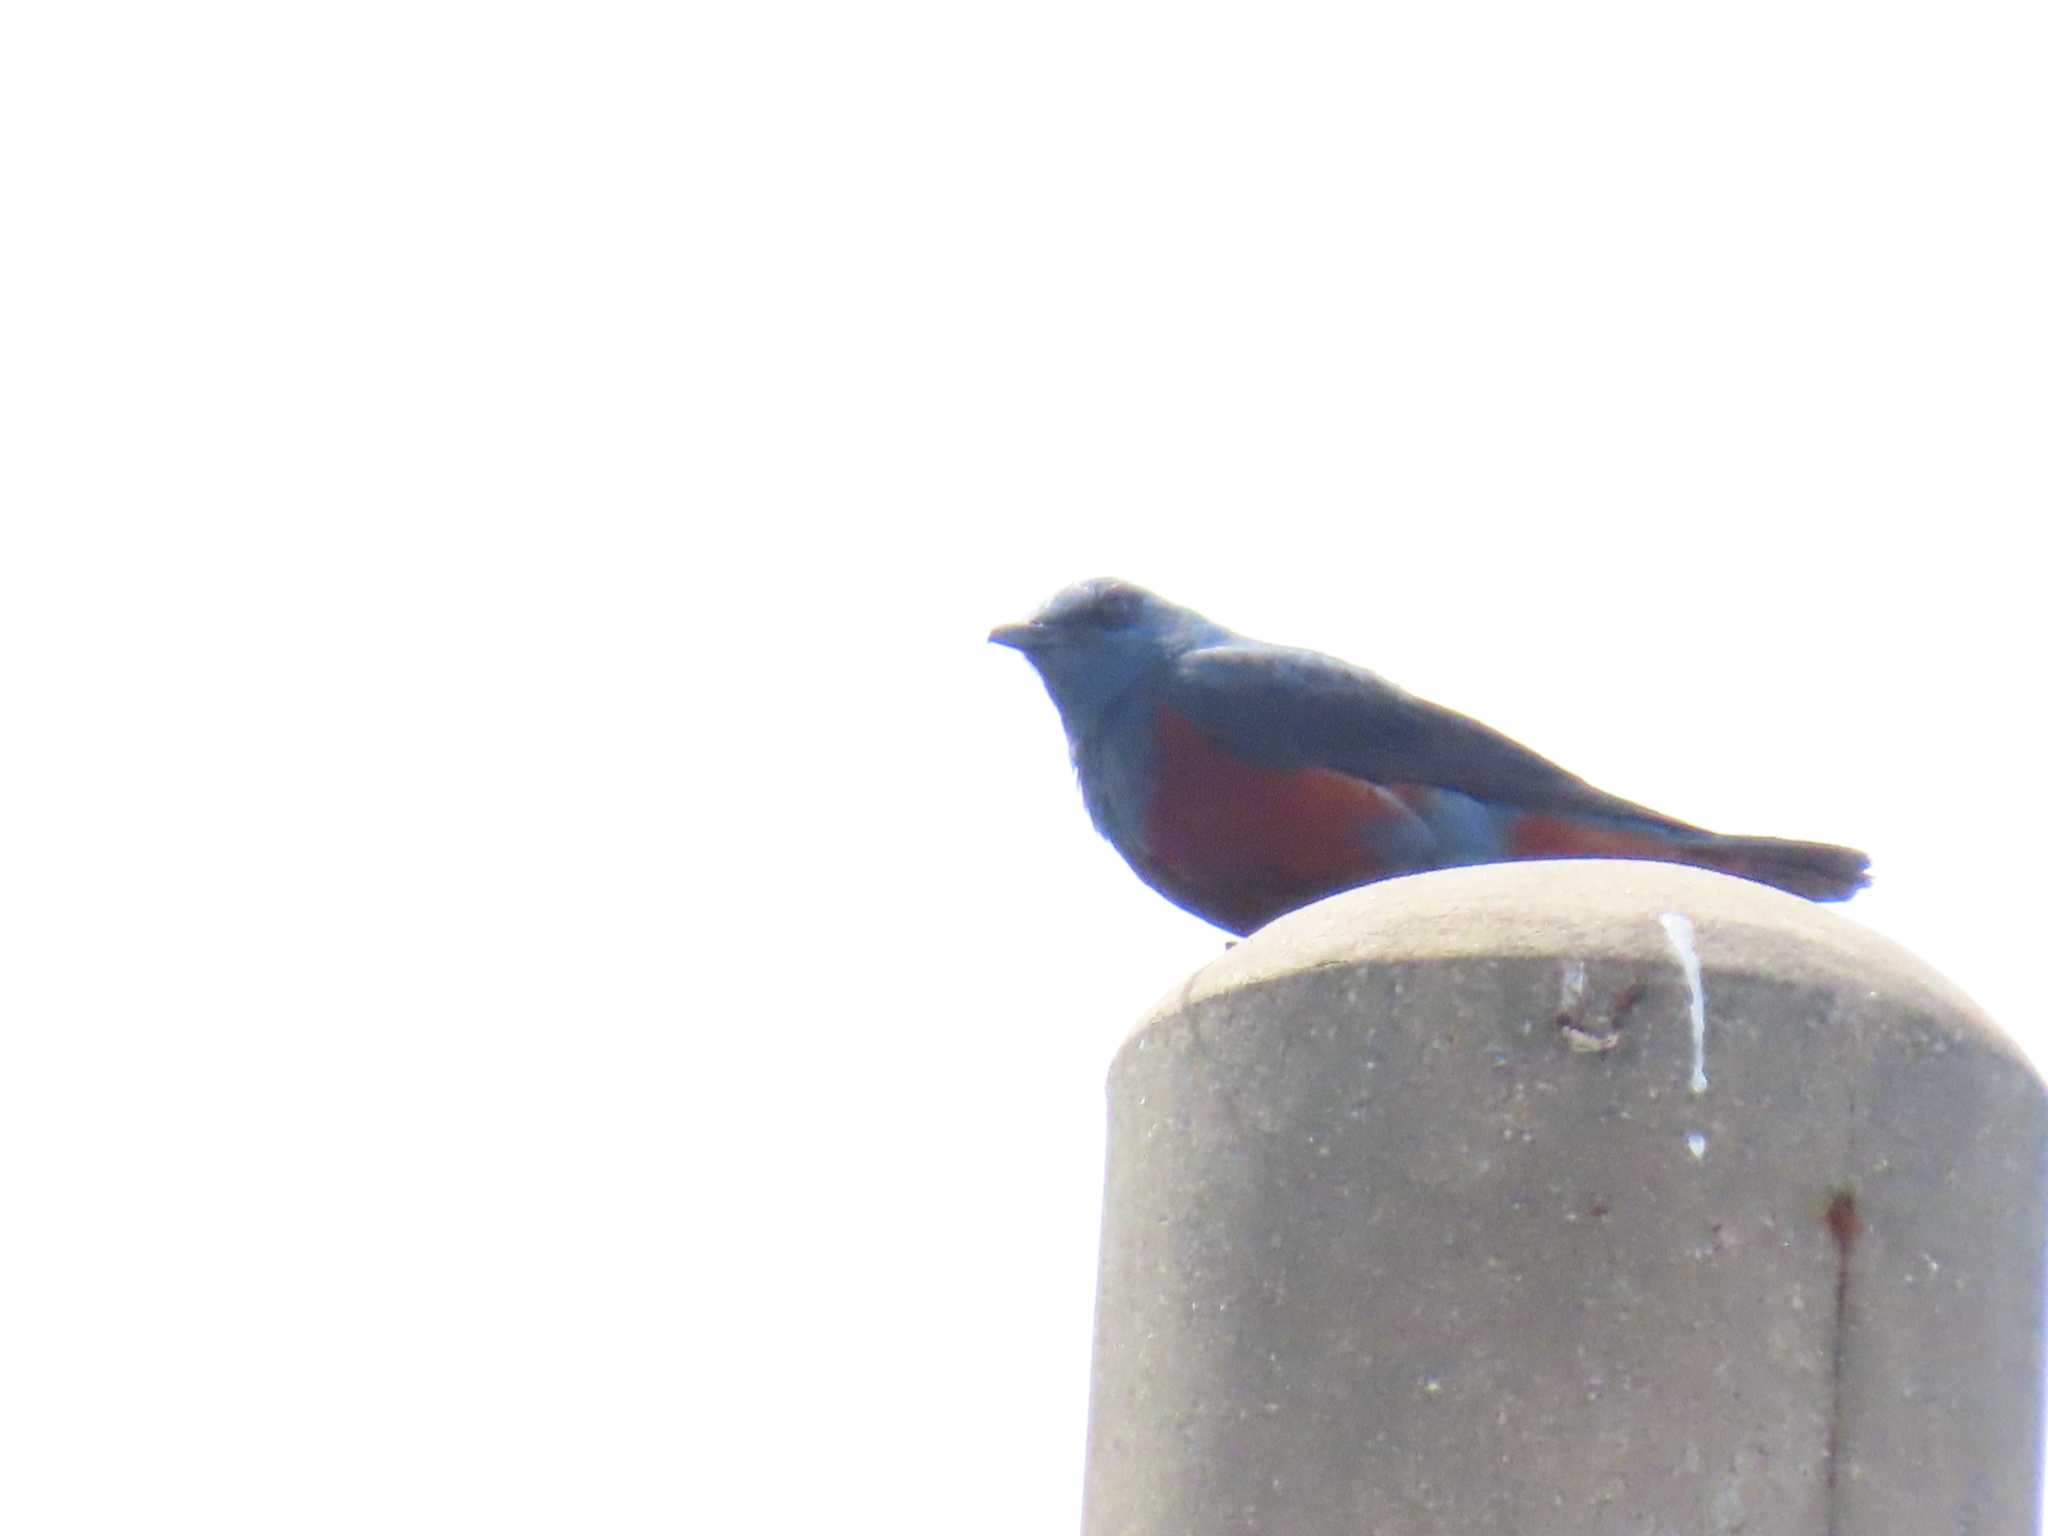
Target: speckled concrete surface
(1569, 1198)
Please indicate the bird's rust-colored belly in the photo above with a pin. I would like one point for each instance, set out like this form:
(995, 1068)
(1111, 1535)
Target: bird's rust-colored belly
(1241, 842)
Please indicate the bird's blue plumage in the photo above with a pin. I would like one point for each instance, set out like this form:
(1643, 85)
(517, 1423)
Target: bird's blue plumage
(1243, 779)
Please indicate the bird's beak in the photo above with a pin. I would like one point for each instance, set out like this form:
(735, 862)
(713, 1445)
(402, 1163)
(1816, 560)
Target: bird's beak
(1019, 637)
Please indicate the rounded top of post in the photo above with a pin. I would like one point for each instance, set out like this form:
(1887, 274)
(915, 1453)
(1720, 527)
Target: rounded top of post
(1585, 909)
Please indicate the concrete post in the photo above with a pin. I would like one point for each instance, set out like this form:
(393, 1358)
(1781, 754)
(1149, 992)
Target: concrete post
(1564, 1200)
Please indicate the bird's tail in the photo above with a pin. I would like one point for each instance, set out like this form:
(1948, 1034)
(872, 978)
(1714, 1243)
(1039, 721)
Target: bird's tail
(1817, 871)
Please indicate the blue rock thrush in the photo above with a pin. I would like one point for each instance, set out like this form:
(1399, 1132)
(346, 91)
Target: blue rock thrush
(1242, 780)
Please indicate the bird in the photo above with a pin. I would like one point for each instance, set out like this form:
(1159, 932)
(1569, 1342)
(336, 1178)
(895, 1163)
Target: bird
(1243, 780)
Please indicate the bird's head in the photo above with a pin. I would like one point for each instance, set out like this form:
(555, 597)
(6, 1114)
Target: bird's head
(1095, 640)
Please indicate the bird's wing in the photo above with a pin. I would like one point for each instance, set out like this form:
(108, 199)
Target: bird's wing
(1293, 708)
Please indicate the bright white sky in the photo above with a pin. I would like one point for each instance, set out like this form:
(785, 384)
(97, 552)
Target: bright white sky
(557, 983)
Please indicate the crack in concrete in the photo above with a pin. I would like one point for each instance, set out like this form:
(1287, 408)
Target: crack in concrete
(1845, 1225)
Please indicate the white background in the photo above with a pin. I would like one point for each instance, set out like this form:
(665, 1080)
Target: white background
(553, 981)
